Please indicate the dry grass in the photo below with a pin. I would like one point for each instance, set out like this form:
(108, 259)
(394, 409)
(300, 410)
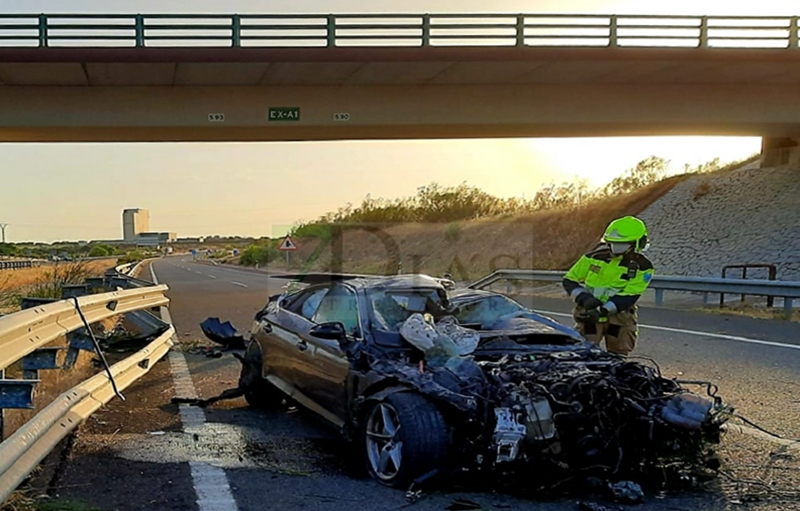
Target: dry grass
(702, 190)
(45, 279)
(544, 240)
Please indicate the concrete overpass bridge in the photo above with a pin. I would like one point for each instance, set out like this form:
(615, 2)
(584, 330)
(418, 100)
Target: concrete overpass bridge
(333, 77)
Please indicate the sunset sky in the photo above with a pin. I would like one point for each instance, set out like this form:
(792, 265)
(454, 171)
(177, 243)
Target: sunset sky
(61, 191)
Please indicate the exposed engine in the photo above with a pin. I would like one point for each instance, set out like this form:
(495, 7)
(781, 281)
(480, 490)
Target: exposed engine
(566, 411)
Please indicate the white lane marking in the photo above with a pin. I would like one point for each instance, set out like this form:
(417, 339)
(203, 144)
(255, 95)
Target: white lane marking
(199, 272)
(212, 276)
(210, 483)
(701, 334)
(238, 284)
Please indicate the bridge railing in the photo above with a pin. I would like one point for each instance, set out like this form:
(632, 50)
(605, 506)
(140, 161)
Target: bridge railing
(788, 290)
(26, 339)
(374, 30)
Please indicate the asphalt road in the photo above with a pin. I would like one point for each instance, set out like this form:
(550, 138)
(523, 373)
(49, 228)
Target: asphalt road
(137, 456)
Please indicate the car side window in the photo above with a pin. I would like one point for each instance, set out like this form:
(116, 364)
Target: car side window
(307, 302)
(340, 304)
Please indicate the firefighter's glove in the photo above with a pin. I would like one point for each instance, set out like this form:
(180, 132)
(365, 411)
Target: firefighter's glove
(588, 301)
(594, 315)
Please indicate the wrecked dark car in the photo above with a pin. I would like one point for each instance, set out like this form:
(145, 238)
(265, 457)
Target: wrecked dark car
(429, 381)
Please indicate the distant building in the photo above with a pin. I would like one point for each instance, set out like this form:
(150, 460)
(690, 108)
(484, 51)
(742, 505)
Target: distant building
(154, 239)
(134, 222)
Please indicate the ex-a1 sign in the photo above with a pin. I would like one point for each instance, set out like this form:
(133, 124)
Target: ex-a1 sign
(287, 244)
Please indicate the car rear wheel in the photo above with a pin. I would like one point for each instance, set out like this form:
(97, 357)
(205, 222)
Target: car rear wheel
(258, 392)
(405, 437)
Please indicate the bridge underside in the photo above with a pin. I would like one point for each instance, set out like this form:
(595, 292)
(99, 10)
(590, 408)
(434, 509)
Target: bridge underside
(163, 94)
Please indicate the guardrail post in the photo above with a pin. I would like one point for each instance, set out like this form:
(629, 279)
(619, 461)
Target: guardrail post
(426, 30)
(331, 26)
(236, 30)
(704, 32)
(793, 32)
(521, 30)
(42, 31)
(139, 31)
(659, 297)
(788, 307)
(612, 33)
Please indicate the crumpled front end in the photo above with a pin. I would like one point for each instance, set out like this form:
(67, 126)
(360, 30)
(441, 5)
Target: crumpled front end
(560, 412)
(597, 412)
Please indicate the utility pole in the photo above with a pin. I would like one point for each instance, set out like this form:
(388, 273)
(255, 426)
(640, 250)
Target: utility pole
(3, 228)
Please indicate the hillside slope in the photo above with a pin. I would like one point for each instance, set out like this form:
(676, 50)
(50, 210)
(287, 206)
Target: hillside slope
(544, 240)
(744, 216)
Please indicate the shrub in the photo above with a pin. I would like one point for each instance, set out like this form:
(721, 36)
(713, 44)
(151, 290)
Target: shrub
(702, 190)
(51, 283)
(98, 251)
(453, 232)
(259, 254)
(134, 256)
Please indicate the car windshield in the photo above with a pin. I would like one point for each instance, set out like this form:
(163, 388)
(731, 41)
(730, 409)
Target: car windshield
(487, 310)
(392, 307)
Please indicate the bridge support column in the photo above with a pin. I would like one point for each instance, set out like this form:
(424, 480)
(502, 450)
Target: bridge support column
(777, 152)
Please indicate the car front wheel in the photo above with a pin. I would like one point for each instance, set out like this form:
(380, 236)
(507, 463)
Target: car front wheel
(258, 392)
(405, 437)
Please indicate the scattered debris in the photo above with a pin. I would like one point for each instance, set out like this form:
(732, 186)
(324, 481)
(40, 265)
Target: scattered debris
(206, 351)
(626, 492)
(223, 333)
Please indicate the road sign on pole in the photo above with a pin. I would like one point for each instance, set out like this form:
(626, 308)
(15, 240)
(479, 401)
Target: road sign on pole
(287, 244)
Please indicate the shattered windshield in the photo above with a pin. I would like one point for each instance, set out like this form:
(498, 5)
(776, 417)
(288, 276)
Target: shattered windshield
(391, 307)
(488, 310)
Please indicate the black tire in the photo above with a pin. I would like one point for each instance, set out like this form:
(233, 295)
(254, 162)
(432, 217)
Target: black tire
(258, 392)
(421, 429)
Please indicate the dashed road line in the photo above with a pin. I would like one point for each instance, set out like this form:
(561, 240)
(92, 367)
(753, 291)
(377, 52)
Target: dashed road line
(210, 483)
(212, 276)
(239, 284)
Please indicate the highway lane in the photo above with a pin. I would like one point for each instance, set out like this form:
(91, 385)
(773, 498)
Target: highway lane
(289, 460)
(761, 381)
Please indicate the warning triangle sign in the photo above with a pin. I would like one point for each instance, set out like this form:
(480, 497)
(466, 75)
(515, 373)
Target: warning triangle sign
(287, 244)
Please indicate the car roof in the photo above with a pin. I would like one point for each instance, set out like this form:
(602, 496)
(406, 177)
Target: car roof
(399, 282)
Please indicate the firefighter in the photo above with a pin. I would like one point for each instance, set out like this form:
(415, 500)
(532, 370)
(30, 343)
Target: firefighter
(607, 282)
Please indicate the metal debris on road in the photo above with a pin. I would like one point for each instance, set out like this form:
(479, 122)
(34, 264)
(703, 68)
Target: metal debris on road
(223, 333)
(626, 492)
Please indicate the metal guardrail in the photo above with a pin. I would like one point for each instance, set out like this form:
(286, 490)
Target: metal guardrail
(772, 272)
(788, 290)
(24, 336)
(338, 30)
(15, 265)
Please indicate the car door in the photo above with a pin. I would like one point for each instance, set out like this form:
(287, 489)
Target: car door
(330, 366)
(283, 334)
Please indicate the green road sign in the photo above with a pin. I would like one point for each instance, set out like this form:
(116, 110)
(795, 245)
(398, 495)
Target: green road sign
(284, 113)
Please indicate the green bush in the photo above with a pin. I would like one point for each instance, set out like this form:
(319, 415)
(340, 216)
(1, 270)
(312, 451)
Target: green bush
(259, 254)
(99, 251)
(8, 250)
(134, 256)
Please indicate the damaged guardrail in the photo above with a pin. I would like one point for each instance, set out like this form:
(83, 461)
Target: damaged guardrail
(788, 290)
(24, 337)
